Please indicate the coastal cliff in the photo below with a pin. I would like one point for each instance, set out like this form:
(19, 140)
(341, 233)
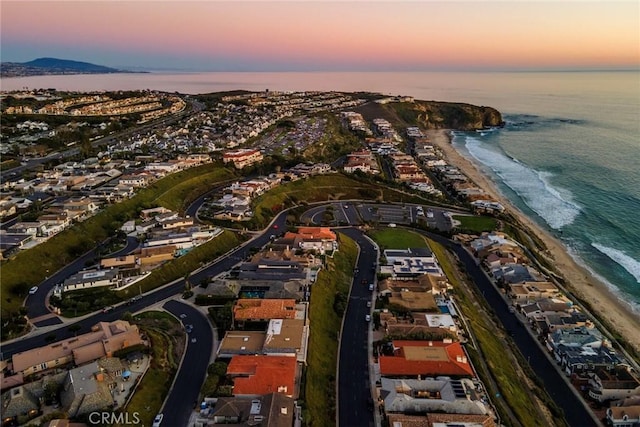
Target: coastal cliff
(434, 114)
(447, 115)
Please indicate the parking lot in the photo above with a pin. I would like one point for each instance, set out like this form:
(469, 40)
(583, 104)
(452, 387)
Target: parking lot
(348, 213)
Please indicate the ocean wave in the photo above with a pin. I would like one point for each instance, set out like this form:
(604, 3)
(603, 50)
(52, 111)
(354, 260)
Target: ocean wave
(624, 297)
(554, 205)
(625, 261)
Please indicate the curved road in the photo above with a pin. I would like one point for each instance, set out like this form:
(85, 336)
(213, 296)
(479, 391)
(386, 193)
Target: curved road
(354, 357)
(36, 304)
(224, 263)
(184, 392)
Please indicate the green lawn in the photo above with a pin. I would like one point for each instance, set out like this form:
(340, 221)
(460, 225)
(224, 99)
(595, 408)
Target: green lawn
(325, 316)
(476, 224)
(397, 238)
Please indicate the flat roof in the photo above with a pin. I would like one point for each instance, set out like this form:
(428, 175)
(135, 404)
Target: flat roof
(242, 342)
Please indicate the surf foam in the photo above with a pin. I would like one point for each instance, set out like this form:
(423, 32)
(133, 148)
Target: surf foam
(621, 295)
(552, 204)
(628, 263)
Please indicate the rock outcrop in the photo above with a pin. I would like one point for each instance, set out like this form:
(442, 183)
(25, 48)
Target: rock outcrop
(448, 115)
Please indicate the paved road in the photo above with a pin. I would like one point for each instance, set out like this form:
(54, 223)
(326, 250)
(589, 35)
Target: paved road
(561, 393)
(36, 303)
(354, 400)
(183, 395)
(223, 264)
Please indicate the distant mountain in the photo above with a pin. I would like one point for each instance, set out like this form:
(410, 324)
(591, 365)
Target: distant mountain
(44, 66)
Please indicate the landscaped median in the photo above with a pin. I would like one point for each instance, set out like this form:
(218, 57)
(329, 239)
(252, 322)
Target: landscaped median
(328, 301)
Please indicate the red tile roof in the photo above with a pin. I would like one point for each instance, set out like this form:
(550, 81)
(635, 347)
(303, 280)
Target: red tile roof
(426, 358)
(255, 375)
(324, 233)
(250, 309)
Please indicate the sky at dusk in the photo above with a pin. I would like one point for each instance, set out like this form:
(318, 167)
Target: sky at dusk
(326, 36)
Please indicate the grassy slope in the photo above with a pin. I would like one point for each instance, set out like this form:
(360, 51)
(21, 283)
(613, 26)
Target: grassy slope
(30, 267)
(517, 399)
(154, 387)
(476, 224)
(319, 389)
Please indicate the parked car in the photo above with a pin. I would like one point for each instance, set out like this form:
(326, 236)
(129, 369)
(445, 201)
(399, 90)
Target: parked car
(371, 286)
(367, 318)
(33, 290)
(157, 420)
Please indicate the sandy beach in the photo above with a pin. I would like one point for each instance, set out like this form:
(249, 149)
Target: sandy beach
(581, 282)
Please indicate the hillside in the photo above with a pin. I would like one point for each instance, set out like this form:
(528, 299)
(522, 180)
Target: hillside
(45, 66)
(434, 114)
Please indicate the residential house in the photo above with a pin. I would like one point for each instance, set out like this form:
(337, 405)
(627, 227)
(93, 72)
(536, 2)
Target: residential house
(410, 262)
(527, 291)
(18, 401)
(93, 279)
(286, 337)
(121, 262)
(135, 180)
(619, 383)
(35, 229)
(263, 310)
(441, 394)
(257, 375)
(177, 223)
(79, 210)
(152, 256)
(440, 420)
(241, 342)
(104, 339)
(626, 416)
(269, 410)
(440, 320)
(85, 390)
(515, 273)
(431, 283)
(413, 301)
(426, 358)
(243, 157)
(624, 413)
(266, 269)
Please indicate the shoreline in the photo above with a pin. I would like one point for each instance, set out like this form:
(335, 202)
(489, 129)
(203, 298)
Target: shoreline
(579, 279)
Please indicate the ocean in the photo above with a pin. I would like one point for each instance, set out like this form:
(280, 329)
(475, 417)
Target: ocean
(568, 156)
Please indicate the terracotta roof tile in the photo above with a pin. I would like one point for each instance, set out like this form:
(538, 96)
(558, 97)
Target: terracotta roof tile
(255, 375)
(248, 309)
(414, 358)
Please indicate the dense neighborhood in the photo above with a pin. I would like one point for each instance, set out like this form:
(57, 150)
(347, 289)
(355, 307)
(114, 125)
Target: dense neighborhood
(426, 365)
